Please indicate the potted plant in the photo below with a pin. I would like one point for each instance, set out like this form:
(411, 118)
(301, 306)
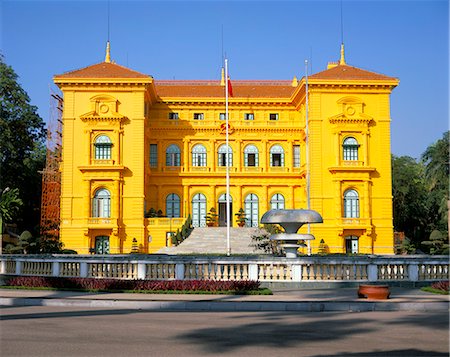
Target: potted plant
(240, 218)
(212, 218)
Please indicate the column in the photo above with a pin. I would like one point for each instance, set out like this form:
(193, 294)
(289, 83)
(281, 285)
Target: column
(185, 155)
(186, 208)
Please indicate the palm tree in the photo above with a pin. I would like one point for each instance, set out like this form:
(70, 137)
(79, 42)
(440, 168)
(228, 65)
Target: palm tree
(9, 206)
(436, 161)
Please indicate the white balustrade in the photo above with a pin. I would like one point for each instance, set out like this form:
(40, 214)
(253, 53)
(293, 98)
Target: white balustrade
(268, 269)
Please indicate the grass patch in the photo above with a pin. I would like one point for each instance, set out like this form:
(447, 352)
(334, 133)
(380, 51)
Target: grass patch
(438, 287)
(429, 289)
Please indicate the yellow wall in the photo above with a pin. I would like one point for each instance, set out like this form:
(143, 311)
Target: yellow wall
(335, 112)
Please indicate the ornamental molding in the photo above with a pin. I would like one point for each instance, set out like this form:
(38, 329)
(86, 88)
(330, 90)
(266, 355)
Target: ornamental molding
(104, 108)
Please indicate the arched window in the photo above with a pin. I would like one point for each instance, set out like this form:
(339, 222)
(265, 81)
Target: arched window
(350, 149)
(222, 152)
(251, 156)
(276, 156)
(251, 210)
(173, 205)
(173, 155)
(277, 201)
(101, 204)
(199, 155)
(102, 146)
(351, 204)
(199, 210)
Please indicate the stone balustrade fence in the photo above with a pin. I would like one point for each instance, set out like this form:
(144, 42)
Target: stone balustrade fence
(263, 268)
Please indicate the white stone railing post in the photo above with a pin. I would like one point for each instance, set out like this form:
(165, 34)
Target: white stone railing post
(296, 272)
(372, 272)
(83, 269)
(413, 272)
(141, 271)
(253, 271)
(55, 268)
(179, 271)
(18, 267)
(3, 266)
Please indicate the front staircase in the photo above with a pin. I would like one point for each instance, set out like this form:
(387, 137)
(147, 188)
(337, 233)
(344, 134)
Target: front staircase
(213, 240)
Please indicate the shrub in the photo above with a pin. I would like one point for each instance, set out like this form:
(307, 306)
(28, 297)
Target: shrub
(441, 285)
(214, 286)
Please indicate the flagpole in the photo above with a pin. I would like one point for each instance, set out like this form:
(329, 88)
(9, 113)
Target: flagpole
(227, 160)
(308, 200)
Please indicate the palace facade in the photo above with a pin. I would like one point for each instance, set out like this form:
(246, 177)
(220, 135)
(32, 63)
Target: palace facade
(133, 144)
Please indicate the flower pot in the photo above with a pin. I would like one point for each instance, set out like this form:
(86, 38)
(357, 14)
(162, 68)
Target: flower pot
(377, 292)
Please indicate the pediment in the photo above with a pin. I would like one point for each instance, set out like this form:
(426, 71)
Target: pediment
(103, 107)
(352, 111)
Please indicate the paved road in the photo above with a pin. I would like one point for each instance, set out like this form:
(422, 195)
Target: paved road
(74, 331)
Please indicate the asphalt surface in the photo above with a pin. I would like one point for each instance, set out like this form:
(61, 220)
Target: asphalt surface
(77, 331)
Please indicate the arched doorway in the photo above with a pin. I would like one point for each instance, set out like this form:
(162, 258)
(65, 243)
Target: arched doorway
(223, 210)
(199, 210)
(252, 210)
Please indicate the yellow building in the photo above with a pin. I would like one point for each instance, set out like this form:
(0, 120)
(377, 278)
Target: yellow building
(132, 143)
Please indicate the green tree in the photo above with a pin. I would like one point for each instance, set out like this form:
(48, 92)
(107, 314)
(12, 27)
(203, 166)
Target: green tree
(436, 161)
(9, 206)
(409, 197)
(437, 243)
(22, 150)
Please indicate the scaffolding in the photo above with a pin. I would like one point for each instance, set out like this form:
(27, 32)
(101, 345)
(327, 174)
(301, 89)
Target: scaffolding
(51, 176)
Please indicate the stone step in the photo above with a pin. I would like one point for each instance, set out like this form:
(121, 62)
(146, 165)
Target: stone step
(213, 240)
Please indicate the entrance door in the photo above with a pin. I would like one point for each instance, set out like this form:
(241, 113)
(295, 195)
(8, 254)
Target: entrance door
(351, 245)
(102, 245)
(223, 211)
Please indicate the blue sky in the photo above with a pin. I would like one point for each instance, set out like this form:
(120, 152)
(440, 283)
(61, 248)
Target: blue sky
(262, 39)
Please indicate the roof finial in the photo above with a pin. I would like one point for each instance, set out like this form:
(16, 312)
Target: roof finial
(108, 54)
(342, 60)
(222, 79)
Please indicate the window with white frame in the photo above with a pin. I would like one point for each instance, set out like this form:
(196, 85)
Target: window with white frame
(249, 116)
(102, 146)
(351, 204)
(173, 155)
(276, 156)
(350, 149)
(296, 155)
(251, 154)
(223, 158)
(277, 201)
(222, 116)
(101, 204)
(199, 116)
(173, 116)
(198, 155)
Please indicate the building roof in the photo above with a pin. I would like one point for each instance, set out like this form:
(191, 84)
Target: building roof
(346, 72)
(213, 89)
(103, 70)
